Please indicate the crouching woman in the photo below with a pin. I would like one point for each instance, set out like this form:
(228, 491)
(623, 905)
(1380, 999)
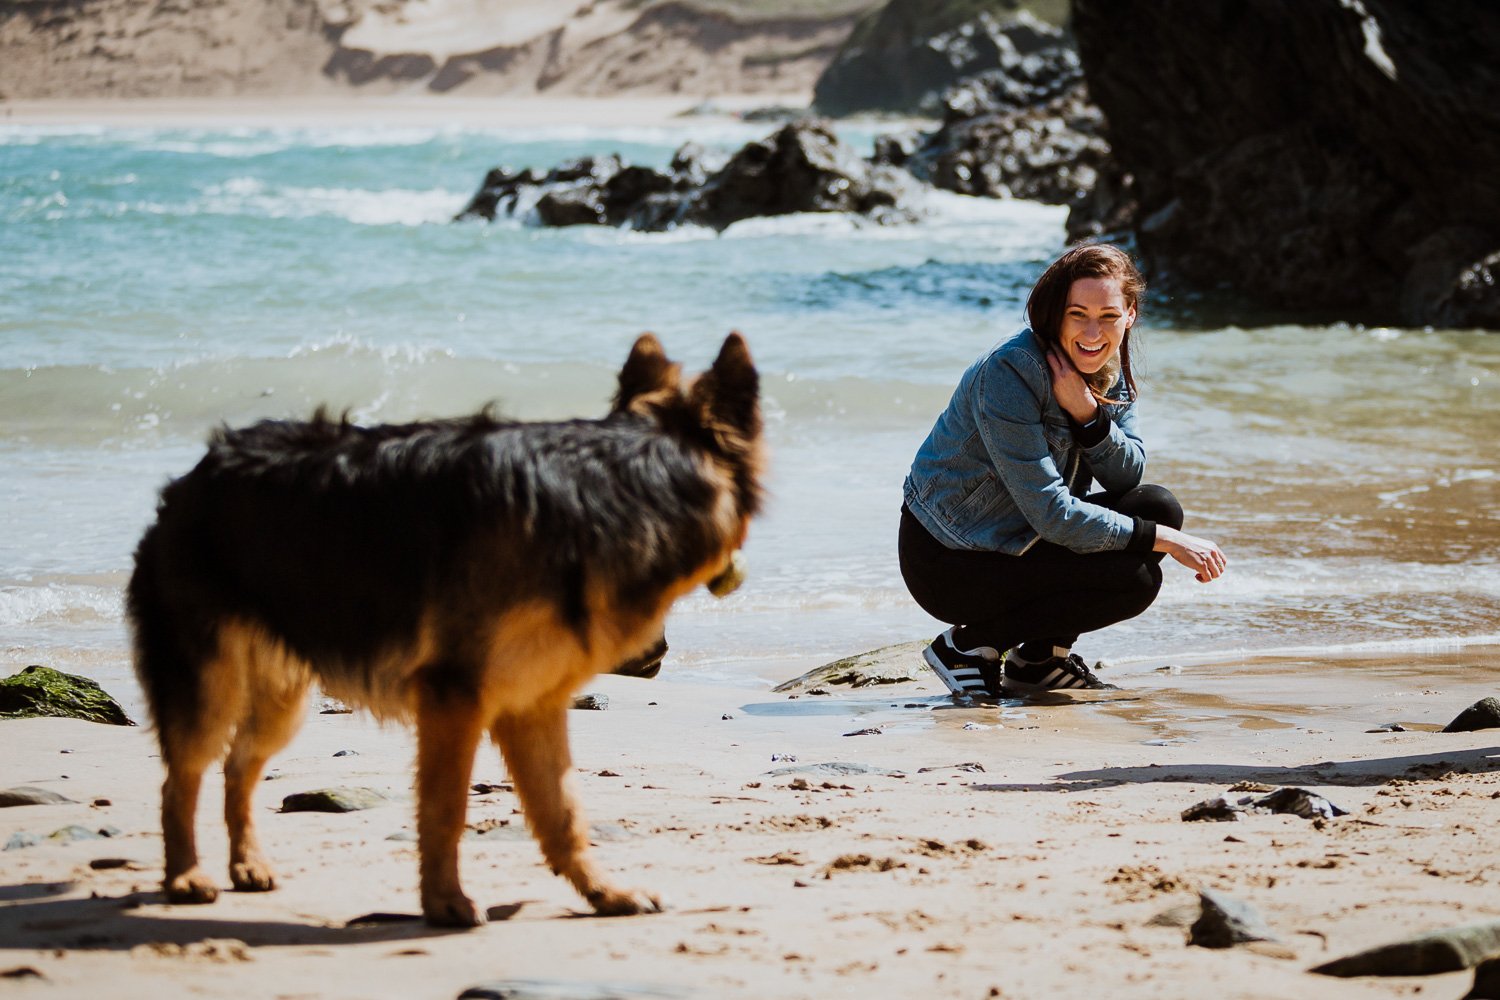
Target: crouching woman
(1001, 536)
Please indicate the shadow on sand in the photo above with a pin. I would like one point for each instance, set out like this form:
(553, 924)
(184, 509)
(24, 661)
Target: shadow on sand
(1352, 773)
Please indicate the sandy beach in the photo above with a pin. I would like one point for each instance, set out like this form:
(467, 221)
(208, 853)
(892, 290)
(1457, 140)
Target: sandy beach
(1022, 850)
(390, 111)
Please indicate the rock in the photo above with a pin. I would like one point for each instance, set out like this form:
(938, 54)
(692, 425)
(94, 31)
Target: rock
(1217, 810)
(1448, 950)
(1483, 714)
(1311, 164)
(26, 795)
(592, 702)
(549, 989)
(1486, 981)
(1052, 153)
(887, 665)
(21, 839)
(1295, 801)
(41, 692)
(1389, 727)
(334, 800)
(69, 834)
(802, 167)
(1225, 922)
(837, 768)
(905, 55)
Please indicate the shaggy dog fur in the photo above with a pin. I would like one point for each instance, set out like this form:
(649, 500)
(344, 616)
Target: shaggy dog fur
(466, 576)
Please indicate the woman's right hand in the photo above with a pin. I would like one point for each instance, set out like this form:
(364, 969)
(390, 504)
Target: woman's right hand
(1200, 555)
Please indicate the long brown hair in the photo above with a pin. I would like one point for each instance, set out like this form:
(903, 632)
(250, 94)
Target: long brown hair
(1049, 301)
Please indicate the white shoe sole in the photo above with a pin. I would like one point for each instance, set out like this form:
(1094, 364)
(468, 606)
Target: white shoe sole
(956, 680)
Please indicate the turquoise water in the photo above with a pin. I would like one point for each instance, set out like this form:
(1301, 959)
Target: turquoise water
(157, 282)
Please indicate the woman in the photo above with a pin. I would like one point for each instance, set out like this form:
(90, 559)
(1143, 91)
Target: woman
(1000, 535)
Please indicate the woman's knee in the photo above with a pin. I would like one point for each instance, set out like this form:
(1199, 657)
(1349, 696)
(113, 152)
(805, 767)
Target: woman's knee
(1154, 503)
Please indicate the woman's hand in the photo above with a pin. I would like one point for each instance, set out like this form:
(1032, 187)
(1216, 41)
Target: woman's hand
(1197, 554)
(1071, 391)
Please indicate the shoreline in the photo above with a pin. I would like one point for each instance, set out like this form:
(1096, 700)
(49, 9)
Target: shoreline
(392, 111)
(1024, 849)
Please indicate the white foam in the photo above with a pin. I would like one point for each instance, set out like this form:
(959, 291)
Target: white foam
(72, 604)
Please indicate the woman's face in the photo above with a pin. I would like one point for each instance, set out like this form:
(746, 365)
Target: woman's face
(1094, 323)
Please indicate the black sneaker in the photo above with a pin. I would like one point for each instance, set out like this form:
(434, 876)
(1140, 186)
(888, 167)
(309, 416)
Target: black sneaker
(968, 673)
(1057, 673)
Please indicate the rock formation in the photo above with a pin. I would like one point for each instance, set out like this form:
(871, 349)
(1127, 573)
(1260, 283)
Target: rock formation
(1333, 155)
(803, 167)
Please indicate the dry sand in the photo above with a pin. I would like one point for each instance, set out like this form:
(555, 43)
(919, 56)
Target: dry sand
(1021, 852)
(391, 111)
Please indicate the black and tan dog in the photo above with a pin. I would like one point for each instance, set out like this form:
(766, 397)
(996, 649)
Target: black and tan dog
(466, 576)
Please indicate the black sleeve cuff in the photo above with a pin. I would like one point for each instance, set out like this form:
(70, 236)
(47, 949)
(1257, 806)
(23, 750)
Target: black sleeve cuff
(1143, 538)
(1093, 432)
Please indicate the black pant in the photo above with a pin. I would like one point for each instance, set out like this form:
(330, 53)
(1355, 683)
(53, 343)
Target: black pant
(1049, 594)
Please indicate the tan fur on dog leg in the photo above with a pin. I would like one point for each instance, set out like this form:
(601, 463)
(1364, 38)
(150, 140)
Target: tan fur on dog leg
(448, 733)
(535, 747)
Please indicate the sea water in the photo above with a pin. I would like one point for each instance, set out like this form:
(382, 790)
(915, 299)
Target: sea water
(158, 282)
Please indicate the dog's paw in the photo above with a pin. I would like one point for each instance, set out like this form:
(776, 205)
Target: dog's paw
(192, 886)
(251, 876)
(623, 903)
(452, 911)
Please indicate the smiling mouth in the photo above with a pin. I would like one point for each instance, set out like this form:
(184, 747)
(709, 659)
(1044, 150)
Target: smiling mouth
(1090, 351)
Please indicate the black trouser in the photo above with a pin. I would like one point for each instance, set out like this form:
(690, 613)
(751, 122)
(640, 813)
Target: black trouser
(1049, 594)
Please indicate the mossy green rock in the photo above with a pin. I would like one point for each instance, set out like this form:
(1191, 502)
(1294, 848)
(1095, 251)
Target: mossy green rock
(41, 692)
(887, 665)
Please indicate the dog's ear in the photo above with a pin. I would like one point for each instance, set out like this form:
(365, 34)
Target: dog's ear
(730, 390)
(647, 370)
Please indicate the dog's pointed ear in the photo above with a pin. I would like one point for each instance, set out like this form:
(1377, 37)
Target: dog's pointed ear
(646, 370)
(730, 389)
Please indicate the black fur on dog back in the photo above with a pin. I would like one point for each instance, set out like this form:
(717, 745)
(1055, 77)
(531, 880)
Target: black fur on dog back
(338, 538)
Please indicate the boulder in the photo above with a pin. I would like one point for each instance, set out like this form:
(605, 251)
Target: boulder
(334, 800)
(41, 692)
(1328, 157)
(1225, 922)
(903, 57)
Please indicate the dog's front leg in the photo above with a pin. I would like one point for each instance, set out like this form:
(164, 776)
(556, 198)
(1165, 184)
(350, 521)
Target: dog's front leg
(535, 747)
(449, 728)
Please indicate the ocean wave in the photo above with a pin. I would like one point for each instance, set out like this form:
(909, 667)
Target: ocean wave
(364, 207)
(60, 603)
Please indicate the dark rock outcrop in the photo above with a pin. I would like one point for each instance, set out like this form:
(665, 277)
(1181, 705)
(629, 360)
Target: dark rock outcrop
(1225, 922)
(1328, 156)
(887, 665)
(41, 692)
(803, 167)
(903, 57)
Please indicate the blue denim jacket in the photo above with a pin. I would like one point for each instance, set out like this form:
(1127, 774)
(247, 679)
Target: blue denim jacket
(1001, 468)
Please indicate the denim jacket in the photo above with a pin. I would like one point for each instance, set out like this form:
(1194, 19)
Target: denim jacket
(1001, 467)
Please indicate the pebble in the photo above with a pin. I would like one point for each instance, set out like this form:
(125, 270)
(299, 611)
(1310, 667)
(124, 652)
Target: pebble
(28, 795)
(593, 702)
(334, 800)
(553, 989)
(1226, 921)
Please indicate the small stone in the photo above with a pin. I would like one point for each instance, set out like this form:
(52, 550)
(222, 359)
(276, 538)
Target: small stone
(107, 864)
(836, 769)
(73, 832)
(332, 706)
(1389, 727)
(870, 731)
(27, 795)
(404, 836)
(1483, 714)
(102, 803)
(334, 800)
(21, 839)
(22, 972)
(347, 753)
(726, 717)
(592, 702)
(553, 989)
(1225, 921)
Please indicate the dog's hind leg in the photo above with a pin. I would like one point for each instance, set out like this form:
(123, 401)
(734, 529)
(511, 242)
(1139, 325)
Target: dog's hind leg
(449, 727)
(190, 742)
(277, 701)
(535, 747)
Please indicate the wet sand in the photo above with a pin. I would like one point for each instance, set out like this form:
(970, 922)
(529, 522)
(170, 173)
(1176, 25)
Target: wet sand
(1019, 850)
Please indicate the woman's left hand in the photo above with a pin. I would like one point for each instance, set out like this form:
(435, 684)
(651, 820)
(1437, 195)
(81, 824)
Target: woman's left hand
(1071, 391)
